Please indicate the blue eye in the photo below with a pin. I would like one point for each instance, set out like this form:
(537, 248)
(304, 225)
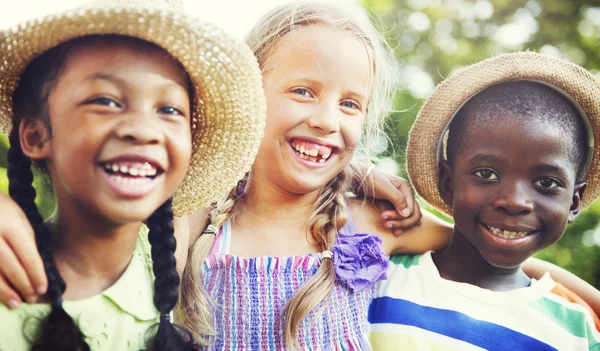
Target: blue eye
(486, 174)
(302, 91)
(103, 101)
(546, 183)
(350, 104)
(170, 110)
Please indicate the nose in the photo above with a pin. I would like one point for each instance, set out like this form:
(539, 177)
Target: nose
(139, 127)
(514, 199)
(326, 118)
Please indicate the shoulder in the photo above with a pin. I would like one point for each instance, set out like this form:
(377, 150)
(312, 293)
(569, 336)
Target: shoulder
(576, 307)
(366, 215)
(20, 326)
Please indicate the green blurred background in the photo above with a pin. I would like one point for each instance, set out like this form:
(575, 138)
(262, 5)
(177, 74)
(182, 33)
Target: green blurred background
(432, 38)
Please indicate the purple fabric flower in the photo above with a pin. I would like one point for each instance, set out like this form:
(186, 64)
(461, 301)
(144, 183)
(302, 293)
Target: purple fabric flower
(359, 260)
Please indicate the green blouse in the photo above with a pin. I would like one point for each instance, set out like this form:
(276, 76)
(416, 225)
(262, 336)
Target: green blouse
(119, 318)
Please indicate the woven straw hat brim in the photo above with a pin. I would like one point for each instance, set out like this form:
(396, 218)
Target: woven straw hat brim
(229, 102)
(574, 81)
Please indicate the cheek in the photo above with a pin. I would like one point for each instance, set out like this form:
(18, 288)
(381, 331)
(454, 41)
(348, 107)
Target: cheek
(466, 196)
(352, 130)
(180, 149)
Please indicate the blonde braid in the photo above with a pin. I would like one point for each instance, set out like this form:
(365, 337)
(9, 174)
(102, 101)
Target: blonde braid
(328, 219)
(193, 309)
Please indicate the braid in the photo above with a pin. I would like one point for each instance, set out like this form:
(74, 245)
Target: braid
(194, 308)
(328, 219)
(57, 331)
(166, 281)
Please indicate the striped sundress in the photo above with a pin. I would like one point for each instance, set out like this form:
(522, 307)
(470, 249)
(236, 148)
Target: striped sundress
(250, 293)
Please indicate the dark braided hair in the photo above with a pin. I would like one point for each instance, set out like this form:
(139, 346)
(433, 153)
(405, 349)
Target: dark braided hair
(166, 283)
(58, 331)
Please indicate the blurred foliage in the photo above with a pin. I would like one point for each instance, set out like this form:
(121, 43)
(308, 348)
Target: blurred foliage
(432, 38)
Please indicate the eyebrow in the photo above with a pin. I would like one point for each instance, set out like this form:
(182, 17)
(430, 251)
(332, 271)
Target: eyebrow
(122, 84)
(551, 168)
(484, 158)
(107, 77)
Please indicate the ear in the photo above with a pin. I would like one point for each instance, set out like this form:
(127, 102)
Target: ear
(35, 139)
(576, 202)
(445, 182)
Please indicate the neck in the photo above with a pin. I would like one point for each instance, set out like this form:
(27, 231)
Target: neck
(91, 252)
(462, 262)
(266, 202)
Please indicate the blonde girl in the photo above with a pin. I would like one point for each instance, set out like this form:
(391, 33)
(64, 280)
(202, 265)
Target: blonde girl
(289, 262)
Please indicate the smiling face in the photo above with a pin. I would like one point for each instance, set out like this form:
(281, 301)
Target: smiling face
(120, 139)
(317, 86)
(512, 183)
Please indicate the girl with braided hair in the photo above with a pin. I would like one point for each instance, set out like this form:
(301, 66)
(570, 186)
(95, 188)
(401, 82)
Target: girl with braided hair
(115, 115)
(287, 260)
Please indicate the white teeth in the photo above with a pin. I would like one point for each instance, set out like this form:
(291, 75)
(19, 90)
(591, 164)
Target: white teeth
(302, 149)
(141, 171)
(322, 161)
(324, 157)
(313, 152)
(130, 181)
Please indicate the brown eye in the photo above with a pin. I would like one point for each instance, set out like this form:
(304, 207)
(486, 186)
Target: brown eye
(103, 101)
(170, 110)
(546, 183)
(486, 174)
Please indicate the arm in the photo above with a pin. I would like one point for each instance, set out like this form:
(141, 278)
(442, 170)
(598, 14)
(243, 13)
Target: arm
(536, 268)
(21, 267)
(432, 234)
(370, 182)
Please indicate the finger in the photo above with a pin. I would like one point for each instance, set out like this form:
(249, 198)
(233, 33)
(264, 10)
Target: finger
(391, 215)
(409, 199)
(31, 261)
(402, 225)
(13, 273)
(8, 296)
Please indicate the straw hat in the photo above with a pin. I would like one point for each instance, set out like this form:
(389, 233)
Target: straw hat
(425, 146)
(229, 103)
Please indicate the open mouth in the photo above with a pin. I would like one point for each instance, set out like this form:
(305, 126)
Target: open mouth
(507, 234)
(134, 173)
(311, 151)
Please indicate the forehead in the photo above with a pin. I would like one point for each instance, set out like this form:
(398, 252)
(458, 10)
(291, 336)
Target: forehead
(121, 55)
(518, 138)
(323, 52)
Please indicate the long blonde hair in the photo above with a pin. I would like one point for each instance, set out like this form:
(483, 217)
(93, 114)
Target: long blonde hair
(330, 212)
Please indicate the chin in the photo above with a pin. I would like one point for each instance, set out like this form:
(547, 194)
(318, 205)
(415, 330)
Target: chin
(504, 261)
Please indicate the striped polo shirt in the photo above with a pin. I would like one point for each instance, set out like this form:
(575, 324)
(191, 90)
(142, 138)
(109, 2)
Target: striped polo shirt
(416, 309)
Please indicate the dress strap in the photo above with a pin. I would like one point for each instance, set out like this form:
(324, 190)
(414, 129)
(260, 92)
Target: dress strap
(222, 242)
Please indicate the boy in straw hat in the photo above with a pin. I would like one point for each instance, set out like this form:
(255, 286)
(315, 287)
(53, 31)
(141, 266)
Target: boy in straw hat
(510, 148)
(121, 103)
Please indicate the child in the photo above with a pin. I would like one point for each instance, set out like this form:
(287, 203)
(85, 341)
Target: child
(517, 160)
(290, 264)
(115, 111)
